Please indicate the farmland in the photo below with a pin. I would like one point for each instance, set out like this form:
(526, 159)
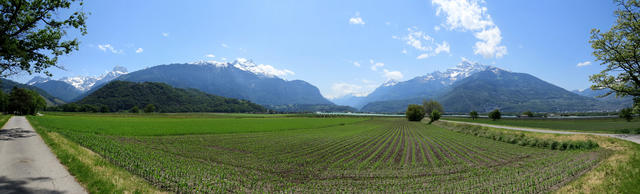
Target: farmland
(315, 154)
(604, 125)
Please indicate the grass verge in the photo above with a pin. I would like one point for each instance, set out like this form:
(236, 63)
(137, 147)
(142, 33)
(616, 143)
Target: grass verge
(93, 172)
(618, 173)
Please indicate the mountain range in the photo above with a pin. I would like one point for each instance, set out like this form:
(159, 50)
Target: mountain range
(468, 86)
(472, 86)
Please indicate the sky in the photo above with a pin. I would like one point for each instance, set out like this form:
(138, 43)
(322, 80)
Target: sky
(344, 47)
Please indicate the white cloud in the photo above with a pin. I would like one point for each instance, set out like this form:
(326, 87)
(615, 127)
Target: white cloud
(342, 89)
(108, 47)
(355, 63)
(469, 15)
(423, 42)
(210, 56)
(139, 50)
(165, 34)
(436, 28)
(224, 45)
(404, 51)
(393, 75)
(375, 66)
(356, 19)
(582, 64)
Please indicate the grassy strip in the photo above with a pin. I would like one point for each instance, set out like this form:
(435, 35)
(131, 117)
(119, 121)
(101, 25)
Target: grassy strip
(618, 173)
(95, 174)
(4, 119)
(520, 138)
(597, 125)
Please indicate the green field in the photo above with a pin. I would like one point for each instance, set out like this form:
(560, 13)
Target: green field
(300, 154)
(606, 125)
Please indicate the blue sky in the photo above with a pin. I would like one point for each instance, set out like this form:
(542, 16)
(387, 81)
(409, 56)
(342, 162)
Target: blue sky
(345, 47)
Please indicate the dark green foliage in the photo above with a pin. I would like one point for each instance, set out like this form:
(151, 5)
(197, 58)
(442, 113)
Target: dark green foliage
(104, 109)
(150, 108)
(520, 138)
(434, 116)
(627, 114)
(4, 101)
(473, 115)
(431, 105)
(23, 101)
(122, 96)
(135, 109)
(415, 112)
(528, 113)
(34, 34)
(495, 114)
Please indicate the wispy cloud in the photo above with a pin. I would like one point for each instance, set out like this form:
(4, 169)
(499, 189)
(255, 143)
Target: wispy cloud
(469, 15)
(224, 45)
(375, 65)
(139, 50)
(582, 64)
(108, 47)
(165, 34)
(424, 43)
(210, 55)
(356, 19)
(357, 64)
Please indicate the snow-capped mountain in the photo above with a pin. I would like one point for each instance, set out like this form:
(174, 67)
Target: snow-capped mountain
(241, 79)
(426, 86)
(85, 83)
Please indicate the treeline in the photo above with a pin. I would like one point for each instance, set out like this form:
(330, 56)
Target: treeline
(118, 96)
(520, 138)
(21, 101)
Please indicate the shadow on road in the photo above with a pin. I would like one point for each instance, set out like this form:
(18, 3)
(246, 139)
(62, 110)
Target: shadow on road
(19, 186)
(14, 133)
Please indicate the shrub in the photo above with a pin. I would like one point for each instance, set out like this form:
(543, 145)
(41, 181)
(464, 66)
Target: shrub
(473, 115)
(627, 114)
(135, 109)
(434, 116)
(495, 114)
(414, 112)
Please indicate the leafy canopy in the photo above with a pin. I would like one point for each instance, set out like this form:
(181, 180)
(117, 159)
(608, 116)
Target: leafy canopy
(32, 35)
(431, 105)
(473, 114)
(495, 114)
(619, 50)
(414, 112)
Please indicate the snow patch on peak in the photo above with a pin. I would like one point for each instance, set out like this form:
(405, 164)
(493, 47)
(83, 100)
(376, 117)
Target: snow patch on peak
(214, 63)
(261, 69)
(85, 83)
(38, 79)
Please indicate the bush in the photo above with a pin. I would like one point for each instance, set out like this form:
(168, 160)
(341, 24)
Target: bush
(627, 114)
(431, 105)
(495, 115)
(414, 112)
(150, 108)
(135, 109)
(434, 116)
(473, 115)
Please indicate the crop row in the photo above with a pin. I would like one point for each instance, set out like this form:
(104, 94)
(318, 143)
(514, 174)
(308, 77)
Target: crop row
(377, 155)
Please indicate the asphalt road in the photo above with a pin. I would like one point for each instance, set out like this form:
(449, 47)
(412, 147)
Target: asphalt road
(27, 165)
(632, 138)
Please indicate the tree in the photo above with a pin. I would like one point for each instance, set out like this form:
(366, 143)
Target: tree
(150, 108)
(414, 112)
(434, 116)
(23, 101)
(104, 109)
(430, 105)
(627, 114)
(33, 34)
(4, 101)
(473, 115)
(528, 113)
(619, 49)
(495, 114)
(135, 109)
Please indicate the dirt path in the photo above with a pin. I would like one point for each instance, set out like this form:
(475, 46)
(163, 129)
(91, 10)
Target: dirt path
(27, 165)
(632, 138)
